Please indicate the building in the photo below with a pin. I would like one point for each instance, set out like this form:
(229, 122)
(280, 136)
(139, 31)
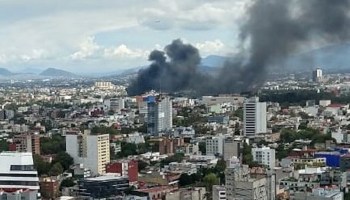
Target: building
(317, 75)
(26, 143)
(126, 168)
(49, 188)
(320, 194)
(170, 145)
(116, 104)
(231, 148)
(264, 156)
(214, 145)
(197, 193)
(159, 114)
(19, 179)
(254, 117)
(107, 186)
(241, 184)
(91, 150)
(104, 85)
(219, 192)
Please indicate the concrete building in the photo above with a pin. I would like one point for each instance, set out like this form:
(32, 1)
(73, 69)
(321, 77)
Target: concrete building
(159, 115)
(317, 75)
(127, 168)
(26, 143)
(19, 179)
(214, 145)
(197, 193)
(231, 148)
(219, 192)
(320, 194)
(91, 150)
(264, 156)
(240, 184)
(104, 85)
(49, 188)
(254, 117)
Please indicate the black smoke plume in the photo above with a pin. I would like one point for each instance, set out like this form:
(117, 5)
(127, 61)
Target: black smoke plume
(274, 30)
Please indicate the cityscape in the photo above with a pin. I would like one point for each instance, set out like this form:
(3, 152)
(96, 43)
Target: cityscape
(189, 119)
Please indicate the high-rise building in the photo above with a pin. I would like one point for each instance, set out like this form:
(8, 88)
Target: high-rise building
(19, 179)
(317, 75)
(254, 117)
(90, 150)
(159, 114)
(264, 156)
(26, 143)
(214, 145)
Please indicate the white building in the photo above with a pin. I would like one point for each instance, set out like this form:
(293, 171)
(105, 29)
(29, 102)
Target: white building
(104, 85)
(219, 192)
(215, 145)
(90, 150)
(159, 115)
(265, 156)
(19, 179)
(254, 117)
(317, 75)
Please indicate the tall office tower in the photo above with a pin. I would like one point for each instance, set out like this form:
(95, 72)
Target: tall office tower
(264, 156)
(19, 179)
(317, 75)
(90, 150)
(26, 143)
(254, 117)
(159, 114)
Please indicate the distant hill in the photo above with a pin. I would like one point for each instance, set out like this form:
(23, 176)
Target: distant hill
(213, 61)
(57, 73)
(5, 72)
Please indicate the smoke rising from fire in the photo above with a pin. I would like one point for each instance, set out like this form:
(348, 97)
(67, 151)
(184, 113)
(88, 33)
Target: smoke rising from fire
(273, 30)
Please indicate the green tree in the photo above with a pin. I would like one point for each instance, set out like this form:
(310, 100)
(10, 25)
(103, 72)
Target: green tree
(64, 159)
(247, 154)
(210, 180)
(56, 169)
(141, 165)
(3, 145)
(202, 147)
(220, 165)
(185, 180)
(69, 182)
(40, 165)
(52, 145)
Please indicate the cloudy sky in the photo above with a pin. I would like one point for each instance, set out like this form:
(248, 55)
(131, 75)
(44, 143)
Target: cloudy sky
(86, 36)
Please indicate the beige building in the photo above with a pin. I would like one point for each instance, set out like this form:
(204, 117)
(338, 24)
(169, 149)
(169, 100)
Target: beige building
(90, 150)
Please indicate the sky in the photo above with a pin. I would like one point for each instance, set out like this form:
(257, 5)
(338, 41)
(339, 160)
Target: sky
(101, 36)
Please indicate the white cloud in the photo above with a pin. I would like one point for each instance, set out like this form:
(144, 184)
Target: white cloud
(211, 47)
(122, 51)
(87, 49)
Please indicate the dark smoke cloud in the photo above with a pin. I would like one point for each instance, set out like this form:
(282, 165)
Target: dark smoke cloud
(274, 29)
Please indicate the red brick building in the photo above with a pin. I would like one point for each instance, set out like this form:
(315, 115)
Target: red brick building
(26, 143)
(124, 168)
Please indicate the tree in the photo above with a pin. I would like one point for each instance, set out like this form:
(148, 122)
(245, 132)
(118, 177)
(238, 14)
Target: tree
(202, 148)
(220, 165)
(3, 145)
(69, 182)
(52, 145)
(141, 165)
(56, 169)
(185, 180)
(64, 159)
(247, 154)
(40, 165)
(210, 180)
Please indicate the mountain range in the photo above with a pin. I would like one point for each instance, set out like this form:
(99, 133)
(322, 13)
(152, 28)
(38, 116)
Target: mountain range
(329, 58)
